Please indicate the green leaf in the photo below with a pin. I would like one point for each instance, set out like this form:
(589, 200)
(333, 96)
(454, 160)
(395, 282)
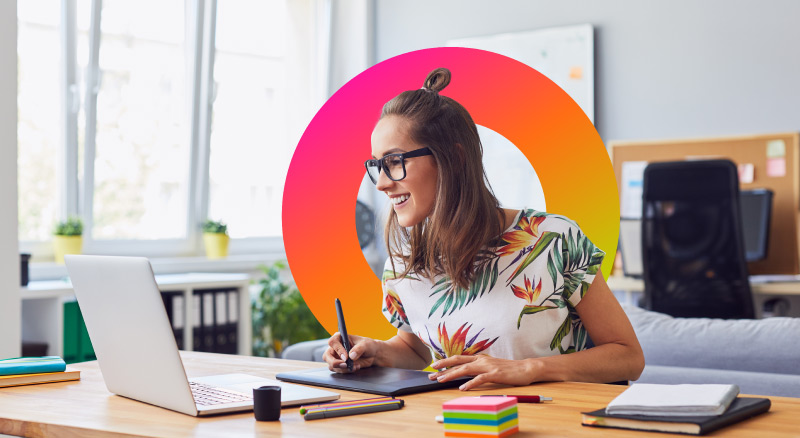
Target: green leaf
(561, 333)
(530, 310)
(561, 304)
(538, 248)
(551, 268)
(438, 303)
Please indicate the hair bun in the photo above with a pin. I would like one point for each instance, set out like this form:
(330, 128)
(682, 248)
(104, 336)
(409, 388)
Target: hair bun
(437, 79)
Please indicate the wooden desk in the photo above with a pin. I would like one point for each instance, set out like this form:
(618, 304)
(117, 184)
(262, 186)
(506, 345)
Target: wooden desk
(629, 284)
(87, 409)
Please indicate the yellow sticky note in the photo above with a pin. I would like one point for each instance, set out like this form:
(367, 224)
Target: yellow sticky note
(576, 72)
(776, 149)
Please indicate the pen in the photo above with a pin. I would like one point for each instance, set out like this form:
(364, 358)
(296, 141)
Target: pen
(525, 398)
(309, 408)
(353, 410)
(343, 334)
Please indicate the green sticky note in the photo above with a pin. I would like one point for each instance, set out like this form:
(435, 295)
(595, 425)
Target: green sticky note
(776, 149)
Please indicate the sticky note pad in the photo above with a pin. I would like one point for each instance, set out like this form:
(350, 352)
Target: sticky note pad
(481, 416)
(776, 149)
(776, 167)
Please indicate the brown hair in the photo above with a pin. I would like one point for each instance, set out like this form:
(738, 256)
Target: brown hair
(466, 216)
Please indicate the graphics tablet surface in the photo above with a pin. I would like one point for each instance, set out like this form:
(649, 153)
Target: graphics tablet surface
(373, 380)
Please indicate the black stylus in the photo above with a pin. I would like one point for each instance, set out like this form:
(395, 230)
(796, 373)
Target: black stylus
(343, 334)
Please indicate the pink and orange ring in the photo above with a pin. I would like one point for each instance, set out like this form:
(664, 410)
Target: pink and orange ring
(501, 94)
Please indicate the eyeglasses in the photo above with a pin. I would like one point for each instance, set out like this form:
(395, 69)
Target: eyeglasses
(393, 164)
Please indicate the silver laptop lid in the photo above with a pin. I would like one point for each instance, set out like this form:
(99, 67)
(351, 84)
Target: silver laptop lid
(130, 330)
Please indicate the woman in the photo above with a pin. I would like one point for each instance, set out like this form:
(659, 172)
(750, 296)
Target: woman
(504, 296)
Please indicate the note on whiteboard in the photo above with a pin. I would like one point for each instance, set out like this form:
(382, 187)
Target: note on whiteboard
(632, 189)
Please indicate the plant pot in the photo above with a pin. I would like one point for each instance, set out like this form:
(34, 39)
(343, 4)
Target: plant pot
(66, 245)
(216, 245)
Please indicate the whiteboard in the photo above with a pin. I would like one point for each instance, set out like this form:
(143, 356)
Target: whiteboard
(565, 55)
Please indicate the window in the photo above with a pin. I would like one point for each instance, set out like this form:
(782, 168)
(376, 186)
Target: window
(142, 139)
(40, 139)
(249, 72)
(145, 118)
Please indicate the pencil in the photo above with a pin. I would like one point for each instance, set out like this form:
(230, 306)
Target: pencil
(353, 410)
(304, 409)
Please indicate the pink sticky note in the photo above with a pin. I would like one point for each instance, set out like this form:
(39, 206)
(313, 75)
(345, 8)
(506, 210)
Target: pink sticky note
(776, 167)
(480, 403)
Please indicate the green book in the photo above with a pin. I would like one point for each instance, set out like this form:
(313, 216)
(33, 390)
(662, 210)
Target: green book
(31, 365)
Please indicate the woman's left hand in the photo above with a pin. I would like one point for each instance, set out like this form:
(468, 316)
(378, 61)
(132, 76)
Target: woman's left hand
(485, 369)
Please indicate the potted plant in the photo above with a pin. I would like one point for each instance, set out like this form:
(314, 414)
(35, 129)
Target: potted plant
(215, 239)
(280, 315)
(67, 238)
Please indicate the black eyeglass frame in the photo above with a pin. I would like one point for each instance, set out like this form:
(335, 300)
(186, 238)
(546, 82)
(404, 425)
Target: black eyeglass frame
(381, 164)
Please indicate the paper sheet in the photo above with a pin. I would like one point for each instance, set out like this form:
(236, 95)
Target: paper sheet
(632, 189)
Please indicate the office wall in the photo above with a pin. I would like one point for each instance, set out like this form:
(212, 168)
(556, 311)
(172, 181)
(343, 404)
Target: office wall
(9, 255)
(663, 68)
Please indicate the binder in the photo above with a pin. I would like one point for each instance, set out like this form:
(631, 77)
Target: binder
(77, 345)
(233, 321)
(197, 321)
(207, 325)
(174, 305)
(220, 321)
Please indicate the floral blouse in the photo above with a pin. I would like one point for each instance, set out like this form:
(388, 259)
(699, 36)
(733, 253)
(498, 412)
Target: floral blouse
(521, 304)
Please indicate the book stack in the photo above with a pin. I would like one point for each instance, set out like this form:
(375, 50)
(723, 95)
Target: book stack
(481, 417)
(687, 409)
(31, 370)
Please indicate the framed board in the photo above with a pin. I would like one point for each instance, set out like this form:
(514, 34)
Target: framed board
(564, 54)
(770, 161)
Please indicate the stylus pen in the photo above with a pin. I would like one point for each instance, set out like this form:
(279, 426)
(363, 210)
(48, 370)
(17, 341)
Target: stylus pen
(343, 411)
(343, 334)
(524, 398)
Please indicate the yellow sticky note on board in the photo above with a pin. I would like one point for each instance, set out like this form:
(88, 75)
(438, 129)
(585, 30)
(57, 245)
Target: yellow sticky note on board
(576, 72)
(776, 149)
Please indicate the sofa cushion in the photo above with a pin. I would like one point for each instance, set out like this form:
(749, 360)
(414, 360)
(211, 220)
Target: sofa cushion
(749, 382)
(770, 345)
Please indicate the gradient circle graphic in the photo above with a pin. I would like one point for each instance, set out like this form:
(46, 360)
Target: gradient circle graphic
(500, 93)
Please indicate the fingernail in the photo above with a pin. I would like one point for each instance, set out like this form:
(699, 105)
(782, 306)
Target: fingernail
(462, 386)
(432, 376)
(342, 365)
(344, 356)
(352, 355)
(440, 378)
(435, 365)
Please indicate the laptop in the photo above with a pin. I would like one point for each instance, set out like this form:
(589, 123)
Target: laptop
(136, 349)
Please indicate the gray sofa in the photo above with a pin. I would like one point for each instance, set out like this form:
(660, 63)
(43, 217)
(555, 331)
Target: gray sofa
(762, 356)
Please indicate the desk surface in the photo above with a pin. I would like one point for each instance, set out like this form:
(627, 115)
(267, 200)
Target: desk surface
(87, 409)
(629, 284)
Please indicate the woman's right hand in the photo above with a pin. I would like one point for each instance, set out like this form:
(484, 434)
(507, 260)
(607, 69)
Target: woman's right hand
(363, 353)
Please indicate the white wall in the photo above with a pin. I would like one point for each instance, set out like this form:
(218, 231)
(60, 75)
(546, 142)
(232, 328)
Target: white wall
(663, 68)
(9, 253)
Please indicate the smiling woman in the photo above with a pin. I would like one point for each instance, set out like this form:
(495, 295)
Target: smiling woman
(502, 295)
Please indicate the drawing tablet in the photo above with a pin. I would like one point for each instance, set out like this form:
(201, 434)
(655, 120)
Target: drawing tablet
(373, 380)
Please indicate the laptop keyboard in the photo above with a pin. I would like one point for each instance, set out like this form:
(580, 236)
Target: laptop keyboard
(207, 395)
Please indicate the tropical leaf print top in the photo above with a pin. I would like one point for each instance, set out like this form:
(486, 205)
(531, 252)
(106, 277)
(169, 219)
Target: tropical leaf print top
(521, 303)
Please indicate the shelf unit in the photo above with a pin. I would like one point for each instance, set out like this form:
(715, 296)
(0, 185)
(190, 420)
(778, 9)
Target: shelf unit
(43, 307)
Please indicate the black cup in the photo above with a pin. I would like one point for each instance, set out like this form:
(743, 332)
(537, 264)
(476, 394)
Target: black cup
(267, 403)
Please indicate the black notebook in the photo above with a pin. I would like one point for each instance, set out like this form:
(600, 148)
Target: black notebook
(373, 380)
(740, 409)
